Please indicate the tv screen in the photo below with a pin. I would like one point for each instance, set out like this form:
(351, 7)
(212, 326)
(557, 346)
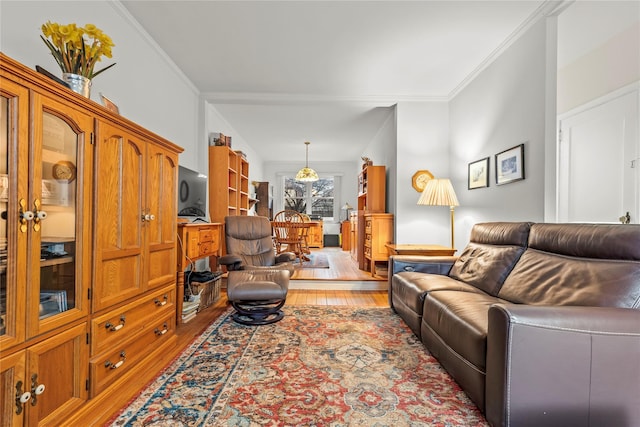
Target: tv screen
(192, 193)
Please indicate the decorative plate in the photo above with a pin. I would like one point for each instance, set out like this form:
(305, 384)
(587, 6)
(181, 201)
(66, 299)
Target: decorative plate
(64, 171)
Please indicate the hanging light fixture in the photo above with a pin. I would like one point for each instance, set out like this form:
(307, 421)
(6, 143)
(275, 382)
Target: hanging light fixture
(306, 174)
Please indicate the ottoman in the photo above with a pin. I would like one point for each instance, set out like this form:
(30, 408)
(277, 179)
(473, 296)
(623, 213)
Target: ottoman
(257, 295)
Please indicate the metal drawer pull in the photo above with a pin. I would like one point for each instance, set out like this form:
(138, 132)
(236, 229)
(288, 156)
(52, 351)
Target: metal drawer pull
(161, 303)
(116, 365)
(162, 332)
(110, 326)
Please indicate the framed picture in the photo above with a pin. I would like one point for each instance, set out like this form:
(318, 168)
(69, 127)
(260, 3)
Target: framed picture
(510, 165)
(478, 174)
(111, 106)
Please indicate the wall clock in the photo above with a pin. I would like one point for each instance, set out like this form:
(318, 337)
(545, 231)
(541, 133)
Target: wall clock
(64, 171)
(420, 179)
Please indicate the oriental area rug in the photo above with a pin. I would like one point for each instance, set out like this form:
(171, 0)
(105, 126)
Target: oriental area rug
(319, 366)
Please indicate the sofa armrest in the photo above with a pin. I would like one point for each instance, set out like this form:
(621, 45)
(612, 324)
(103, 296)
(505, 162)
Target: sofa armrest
(422, 264)
(559, 366)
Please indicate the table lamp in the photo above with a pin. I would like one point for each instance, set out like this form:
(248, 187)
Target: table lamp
(439, 192)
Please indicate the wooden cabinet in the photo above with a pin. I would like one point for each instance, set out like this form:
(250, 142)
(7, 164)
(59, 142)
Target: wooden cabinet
(135, 215)
(372, 189)
(371, 199)
(378, 232)
(263, 206)
(315, 235)
(345, 234)
(45, 249)
(87, 250)
(228, 183)
(196, 241)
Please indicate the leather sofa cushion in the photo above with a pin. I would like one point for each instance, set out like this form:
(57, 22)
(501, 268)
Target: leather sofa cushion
(501, 233)
(603, 241)
(486, 266)
(544, 278)
(493, 250)
(461, 320)
(411, 287)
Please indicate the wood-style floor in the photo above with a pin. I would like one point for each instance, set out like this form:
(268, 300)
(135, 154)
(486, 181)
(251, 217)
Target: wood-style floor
(342, 267)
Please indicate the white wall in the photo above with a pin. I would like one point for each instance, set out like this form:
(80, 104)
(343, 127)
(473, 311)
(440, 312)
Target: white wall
(148, 89)
(613, 58)
(503, 107)
(422, 143)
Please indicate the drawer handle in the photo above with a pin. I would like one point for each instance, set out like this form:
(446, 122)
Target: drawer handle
(409, 268)
(21, 398)
(111, 327)
(162, 332)
(116, 365)
(161, 303)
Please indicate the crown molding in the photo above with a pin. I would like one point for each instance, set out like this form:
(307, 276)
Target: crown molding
(122, 11)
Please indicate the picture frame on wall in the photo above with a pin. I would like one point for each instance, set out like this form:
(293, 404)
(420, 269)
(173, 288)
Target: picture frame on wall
(478, 174)
(510, 165)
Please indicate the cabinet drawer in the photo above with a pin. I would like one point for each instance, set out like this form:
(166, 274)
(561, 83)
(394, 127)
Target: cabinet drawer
(205, 248)
(205, 235)
(120, 324)
(109, 366)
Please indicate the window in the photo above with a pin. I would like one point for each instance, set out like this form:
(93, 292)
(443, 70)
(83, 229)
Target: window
(316, 199)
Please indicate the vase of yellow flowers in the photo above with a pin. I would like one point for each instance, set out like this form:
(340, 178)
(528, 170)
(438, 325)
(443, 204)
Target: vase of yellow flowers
(77, 50)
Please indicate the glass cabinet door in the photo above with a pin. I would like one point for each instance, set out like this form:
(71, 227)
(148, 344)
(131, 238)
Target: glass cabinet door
(60, 218)
(14, 113)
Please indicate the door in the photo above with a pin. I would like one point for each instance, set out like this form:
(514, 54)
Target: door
(59, 234)
(160, 215)
(118, 217)
(598, 170)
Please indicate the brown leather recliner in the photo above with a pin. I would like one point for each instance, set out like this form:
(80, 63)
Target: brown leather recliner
(249, 243)
(258, 279)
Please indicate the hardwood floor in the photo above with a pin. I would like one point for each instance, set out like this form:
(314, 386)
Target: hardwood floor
(342, 267)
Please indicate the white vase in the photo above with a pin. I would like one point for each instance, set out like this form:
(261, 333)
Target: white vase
(78, 83)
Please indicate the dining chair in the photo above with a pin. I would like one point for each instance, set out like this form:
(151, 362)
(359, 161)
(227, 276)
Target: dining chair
(289, 231)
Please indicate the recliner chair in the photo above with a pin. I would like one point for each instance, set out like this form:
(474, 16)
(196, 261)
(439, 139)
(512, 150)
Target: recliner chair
(258, 279)
(249, 243)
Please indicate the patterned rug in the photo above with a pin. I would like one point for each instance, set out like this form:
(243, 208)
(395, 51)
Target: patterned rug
(319, 366)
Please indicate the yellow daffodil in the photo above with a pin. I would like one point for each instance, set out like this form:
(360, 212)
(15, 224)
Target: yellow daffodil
(77, 49)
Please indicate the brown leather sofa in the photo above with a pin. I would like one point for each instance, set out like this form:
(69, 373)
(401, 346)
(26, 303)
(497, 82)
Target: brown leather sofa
(538, 323)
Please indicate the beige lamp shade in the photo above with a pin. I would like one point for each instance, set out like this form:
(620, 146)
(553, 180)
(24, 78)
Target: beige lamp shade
(438, 192)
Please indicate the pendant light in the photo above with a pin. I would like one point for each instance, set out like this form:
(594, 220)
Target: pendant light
(306, 174)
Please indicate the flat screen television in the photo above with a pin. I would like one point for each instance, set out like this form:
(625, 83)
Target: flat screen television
(192, 194)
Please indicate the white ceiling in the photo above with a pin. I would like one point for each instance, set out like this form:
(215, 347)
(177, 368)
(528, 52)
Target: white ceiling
(284, 72)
